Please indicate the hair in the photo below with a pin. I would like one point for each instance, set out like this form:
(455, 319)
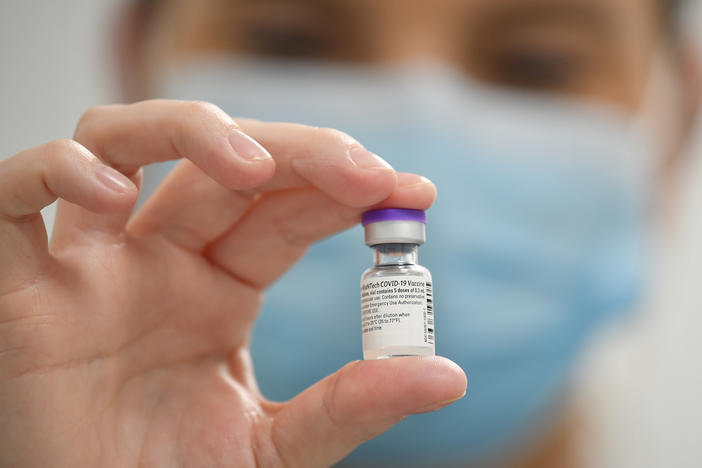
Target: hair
(671, 14)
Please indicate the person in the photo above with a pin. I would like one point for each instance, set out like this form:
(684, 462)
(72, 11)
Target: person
(126, 341)
(549, 128)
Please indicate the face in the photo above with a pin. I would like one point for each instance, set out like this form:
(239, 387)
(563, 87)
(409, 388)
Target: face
(597, 50)
(594, 49)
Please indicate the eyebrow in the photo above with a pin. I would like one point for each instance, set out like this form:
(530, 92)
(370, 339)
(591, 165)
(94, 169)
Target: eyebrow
(332, 9)
(587, 15)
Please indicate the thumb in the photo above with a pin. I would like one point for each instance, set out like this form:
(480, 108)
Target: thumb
(361, 401)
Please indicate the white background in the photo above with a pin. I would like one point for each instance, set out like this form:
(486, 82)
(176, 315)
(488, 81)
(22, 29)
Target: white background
(641, 381)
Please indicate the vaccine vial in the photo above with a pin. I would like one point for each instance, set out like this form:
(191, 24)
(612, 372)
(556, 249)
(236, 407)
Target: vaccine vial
(397, 304)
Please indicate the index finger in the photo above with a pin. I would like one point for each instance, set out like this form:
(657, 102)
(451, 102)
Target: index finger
(130, 136)
(127, 137)
(235, 154)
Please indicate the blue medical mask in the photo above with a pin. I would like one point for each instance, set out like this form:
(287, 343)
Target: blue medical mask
(535, 239)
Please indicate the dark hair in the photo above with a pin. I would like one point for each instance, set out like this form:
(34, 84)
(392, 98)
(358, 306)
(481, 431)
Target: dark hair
(670, 10)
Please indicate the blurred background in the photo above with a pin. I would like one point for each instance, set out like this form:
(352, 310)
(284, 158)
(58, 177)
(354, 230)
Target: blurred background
(641, 379)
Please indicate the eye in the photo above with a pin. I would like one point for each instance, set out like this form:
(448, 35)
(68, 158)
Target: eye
(533, 69)
(277, 39)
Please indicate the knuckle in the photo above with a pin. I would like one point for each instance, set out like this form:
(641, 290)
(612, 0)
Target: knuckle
(337, 138)
(87, 121)
(86, 117)
(188, 122)
(202, 109)
(331, 399)
(61, 147)
(193, 116)
(65, 149)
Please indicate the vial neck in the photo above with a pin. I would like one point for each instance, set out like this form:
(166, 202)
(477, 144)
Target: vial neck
(395, 254)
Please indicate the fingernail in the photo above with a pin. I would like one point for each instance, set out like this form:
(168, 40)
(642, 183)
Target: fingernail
(246, 147)
(113, 179)
(438, 406)
(367, 160)
(405, 179)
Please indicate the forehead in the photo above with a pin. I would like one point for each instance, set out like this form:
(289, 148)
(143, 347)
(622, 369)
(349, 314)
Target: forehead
(629, 25)
(440, 8)
(635, 21)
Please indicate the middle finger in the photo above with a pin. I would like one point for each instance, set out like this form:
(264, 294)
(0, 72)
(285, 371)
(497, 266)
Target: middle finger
(193, 211)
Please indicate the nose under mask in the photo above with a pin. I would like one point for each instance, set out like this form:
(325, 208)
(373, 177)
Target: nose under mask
(536, 238)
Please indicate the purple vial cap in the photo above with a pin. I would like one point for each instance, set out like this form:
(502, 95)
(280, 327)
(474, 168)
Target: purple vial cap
(393, 214)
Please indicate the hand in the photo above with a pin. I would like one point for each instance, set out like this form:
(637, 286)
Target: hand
(124, 341)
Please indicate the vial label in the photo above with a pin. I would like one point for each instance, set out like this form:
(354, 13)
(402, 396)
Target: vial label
(397, 311)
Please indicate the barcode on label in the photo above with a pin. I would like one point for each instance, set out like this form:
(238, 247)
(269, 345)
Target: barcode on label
(430, 312)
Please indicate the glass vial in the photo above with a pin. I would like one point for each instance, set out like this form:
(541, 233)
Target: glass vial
(397, 304)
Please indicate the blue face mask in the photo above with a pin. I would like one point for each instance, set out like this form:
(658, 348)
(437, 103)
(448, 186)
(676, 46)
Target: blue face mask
(535, 239)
